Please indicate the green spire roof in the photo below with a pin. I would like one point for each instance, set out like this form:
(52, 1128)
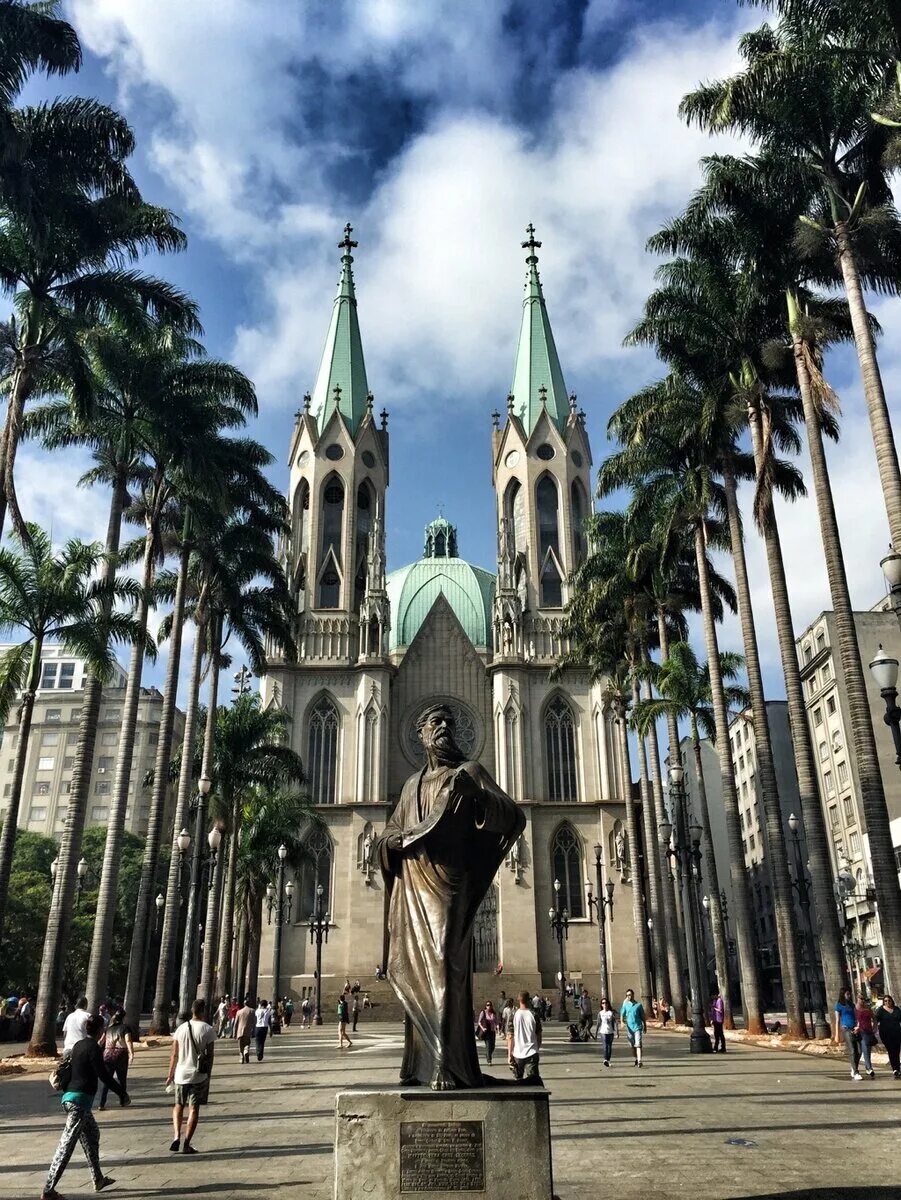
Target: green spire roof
(342, 366)
(537, 377)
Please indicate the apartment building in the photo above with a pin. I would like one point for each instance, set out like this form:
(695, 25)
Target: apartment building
(54, 739)
(826, 700)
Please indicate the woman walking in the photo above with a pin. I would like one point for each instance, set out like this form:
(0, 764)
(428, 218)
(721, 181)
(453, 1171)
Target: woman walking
(88, 1069)
(605, 1030)
(343, 1014)
(118, 1051)
(846, 1028)
(263, 1025)
(488, 1029)
(866, 1033)
(888, 1023)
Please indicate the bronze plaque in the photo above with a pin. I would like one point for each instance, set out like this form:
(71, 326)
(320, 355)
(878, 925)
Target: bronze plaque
(442, 1156)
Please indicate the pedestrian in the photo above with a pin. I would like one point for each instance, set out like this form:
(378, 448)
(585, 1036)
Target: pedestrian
(232, 1013)
(506, 1021)
(305, 1010)
(220, 1020)
(87, 1069)
(26, 1017)
(585, 1013)
(888, 1023)
(607, 1028)
(524, 1043)
(367, 1003)
(845, 1029)
(632, 1016)
(487, 1028)
(289, 1011)
(866, 1033)
(193, 1047)
(118, 1051)
(354, 1010)
(76, 1024)
(664, 1012)
(717, 1017)
(243, 1029)
(262, 1027)
(343, 1013)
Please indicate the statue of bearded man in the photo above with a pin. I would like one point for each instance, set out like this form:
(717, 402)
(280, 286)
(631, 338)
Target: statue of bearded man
(441, 849)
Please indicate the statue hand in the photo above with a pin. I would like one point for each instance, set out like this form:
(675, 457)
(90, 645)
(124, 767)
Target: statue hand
(394, 841)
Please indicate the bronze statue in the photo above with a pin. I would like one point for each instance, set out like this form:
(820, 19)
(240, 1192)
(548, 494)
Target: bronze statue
(439, 854)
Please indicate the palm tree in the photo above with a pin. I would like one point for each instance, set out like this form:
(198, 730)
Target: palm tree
(49, 596)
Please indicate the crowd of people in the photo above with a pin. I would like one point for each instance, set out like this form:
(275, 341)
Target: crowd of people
(860, 1026)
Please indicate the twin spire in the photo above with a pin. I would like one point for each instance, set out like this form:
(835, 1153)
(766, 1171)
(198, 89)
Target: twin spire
(538, 384)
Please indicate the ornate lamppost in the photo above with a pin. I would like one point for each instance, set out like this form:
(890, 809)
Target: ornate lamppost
(319, 927)
(160, 904)
(559, 922)
(280, 901)
(884, 670)
(891, 569)
(802, 886)
(601, 903)
(684, 845)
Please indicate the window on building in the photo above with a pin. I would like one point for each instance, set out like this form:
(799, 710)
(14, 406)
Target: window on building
(152, 739)
(742, 814)
(818, 716)
(752, 842)
(11, 764)
(72, 739)
(826, 673)
(579, 514)
(66, 787)
(315, 871)
(808, 651)
(821, 641)
(42, 789)
(50, 739)
(68, 762)
(7, 789)
(61, 814)
(824, 751)
(99, 813)
(113, 714)
(102, 787)
(66, 675)
(829, 782)
(566, 863)
(37, 814)
(854, 842)
(833, 815)
(322, 756)
(330, 544)
(365, 513)
(53, 714)
(48, 674)
(837, 739)
(842, 770)
(560, 744)
(848, 808)
(75, 715)
(46, 763)
(830, 705)
(105, 762)
(107, 739)
(551, 581)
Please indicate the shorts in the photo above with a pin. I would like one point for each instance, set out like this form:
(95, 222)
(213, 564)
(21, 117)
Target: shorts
(634, 1036)
(192, 1095)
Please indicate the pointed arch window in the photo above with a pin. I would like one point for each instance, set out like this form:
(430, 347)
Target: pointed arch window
(330, 547)
(551, 579)
(560, 743)
(322, 753)
(515, 512)
(579, 511)
(566, 865)
(316, 869)
(361, 541)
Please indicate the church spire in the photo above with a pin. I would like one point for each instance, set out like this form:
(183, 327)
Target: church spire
(537, 376)
(341, 381)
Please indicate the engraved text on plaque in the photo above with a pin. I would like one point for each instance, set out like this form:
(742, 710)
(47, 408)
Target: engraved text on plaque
(442, 1156)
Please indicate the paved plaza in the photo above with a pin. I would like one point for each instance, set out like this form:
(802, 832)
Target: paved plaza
(752, 1123)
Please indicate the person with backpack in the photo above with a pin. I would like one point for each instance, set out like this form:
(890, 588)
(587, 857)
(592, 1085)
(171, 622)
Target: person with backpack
(118, 1051)
(343, 1014)
(289, 1011)
(78, 1076)
(193, 1047)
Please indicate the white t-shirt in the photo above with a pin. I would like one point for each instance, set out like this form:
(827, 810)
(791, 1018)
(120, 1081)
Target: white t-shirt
(75, 1028)
(606, 1021)
(264, 1017)
(525, 1033)
(188, 1058)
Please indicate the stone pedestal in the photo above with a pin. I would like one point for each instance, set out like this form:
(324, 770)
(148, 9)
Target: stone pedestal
(457, 1145)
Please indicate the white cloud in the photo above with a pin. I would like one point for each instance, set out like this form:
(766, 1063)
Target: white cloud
(52, 498)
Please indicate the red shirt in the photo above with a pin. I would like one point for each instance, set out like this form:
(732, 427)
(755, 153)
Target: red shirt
(864, 1017)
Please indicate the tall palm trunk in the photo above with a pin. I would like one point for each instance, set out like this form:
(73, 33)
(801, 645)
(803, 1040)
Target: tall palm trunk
(187, 989)
(714, 899)
(240, 960)
(874, 395)
(102, 941)
(652, 859)
(872, 794)
(140, 941)
(675, 958)
(211, 934)
(62, 905)
(22, 386)
(639, 916)
(159, 1021)
(11, 819)
(225, 979)
(255, 936)
(777, 856)
(750, 984)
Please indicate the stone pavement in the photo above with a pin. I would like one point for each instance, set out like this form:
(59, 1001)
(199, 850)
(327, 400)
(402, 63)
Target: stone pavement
(752, 1123)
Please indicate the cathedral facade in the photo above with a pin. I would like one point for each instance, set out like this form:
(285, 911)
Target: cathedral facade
(376, 647)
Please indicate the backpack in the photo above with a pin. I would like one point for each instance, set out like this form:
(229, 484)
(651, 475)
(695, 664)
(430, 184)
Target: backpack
(342, 1009)
(61, 1075)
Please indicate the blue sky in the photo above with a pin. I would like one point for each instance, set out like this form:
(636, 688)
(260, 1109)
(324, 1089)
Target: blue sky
(439, 129)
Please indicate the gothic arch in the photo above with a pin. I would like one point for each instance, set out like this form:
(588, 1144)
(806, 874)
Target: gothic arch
(561, 752)
(547, 516)
(568, 868)
(363, 516)
(316, 870)
(578, 513)
(300, 523)
(323, 740)
(331, 534)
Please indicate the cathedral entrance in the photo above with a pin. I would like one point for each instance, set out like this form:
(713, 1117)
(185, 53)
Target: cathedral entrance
(484, 939)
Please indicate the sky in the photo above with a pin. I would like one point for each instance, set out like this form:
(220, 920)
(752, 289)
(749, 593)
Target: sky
(439, 129)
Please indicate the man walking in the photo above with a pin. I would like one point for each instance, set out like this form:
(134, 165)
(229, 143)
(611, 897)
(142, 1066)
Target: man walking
(75, 1025)
(632, 1016)
(585, 1011)
(717, 1016)
(244, 1025)
(305, 1010)
(263, 1025)
(524, 1043)
(193, 1046)
(355, 1010)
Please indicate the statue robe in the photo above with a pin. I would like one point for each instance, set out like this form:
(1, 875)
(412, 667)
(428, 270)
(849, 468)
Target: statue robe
(455, 834)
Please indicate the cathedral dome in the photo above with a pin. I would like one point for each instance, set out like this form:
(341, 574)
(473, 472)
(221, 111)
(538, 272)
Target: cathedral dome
(412, 590)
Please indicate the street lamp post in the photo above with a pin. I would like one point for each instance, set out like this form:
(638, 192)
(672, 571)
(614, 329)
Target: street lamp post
(601, 903)
(686, 850)
(160, 903)
(188, 975)
(802, 886)
(319, 927)
(559, 922)
(891, 569)
(282, 905)
(884, 670)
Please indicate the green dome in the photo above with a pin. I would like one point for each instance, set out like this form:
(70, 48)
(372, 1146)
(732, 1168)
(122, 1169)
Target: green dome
(412, 590)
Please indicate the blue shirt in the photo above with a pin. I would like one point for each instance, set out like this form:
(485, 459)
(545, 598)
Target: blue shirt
(846, 1015)
(633, 1014)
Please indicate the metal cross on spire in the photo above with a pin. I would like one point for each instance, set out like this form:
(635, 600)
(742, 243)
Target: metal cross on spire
(348, 244)
(531, 245)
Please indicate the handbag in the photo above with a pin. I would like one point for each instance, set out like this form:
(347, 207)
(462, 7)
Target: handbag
(61, 1075)
(204, 1056)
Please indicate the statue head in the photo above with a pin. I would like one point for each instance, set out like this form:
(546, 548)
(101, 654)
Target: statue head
(437, 730)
